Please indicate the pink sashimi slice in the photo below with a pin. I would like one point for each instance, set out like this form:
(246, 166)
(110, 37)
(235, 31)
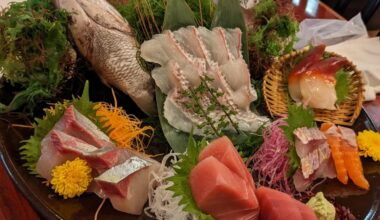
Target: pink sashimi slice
(219, 191)
(276, 205)
(58, 147)
(313, 56)
(79, 126)
(318, 91)
(224, 151)
(127, 184)
(317, 85)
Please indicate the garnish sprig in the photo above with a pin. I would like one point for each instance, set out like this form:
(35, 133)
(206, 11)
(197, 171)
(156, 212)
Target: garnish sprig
(214, 127)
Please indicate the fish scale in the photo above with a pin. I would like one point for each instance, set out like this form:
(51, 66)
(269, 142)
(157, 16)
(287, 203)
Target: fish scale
(107, 41)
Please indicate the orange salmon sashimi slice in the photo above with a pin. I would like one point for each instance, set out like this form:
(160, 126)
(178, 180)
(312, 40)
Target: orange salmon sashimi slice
(346, 158)
(341, 171)
(354, 165)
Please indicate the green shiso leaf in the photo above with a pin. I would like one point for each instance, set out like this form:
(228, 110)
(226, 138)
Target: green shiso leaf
(181, 186)
(30, 151)
(298, 117)
(342, 86)
(228, 14)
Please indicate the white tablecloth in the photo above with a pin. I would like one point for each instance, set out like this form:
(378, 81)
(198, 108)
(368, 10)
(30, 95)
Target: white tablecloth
(365, 53)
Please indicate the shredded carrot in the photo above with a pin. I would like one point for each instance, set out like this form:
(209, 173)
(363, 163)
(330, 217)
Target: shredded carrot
(122, 128)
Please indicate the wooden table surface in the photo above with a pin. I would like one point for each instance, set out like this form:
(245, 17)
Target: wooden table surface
(13, 205)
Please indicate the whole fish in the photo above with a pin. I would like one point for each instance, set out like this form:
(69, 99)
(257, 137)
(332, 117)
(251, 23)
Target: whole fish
(107, 41)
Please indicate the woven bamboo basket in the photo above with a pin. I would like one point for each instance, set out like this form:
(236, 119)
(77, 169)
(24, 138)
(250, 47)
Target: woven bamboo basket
(275, 90)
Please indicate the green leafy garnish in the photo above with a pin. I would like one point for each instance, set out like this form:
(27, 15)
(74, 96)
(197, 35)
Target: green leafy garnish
(298, 117)
(31, 150)
(181, 186)
(147, 17)
(342, 86)
(34, 51)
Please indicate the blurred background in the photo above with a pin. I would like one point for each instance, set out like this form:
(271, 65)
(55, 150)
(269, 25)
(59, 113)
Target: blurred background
(348, 8)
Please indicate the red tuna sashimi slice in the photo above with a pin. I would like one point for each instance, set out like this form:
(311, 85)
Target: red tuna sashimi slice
(276, 205)
(224, 151)
(126, 185)
(217, 190)
(79, 126)
(58, 147)
(240, 215)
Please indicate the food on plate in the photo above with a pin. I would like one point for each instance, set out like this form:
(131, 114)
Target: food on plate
(315, 157)
(271, 162)
(58, 147)
(71, 178)
(319, 82)
(322, 207)
(312, 57)
(190, 56)
(368, 144)
(221, 185)
(342, 142)
(77, 125)
(71, 139)
(85, 120)
(126, 184)
(107, 41)
(276, 205)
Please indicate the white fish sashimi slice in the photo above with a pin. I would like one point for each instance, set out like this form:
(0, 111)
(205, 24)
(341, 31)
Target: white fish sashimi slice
(188, 39)
(233, 36)
(187, 55)
(215, 45)
(79, 126)
(58, 147)
(127, 184)
(239, 83)
(318, 92)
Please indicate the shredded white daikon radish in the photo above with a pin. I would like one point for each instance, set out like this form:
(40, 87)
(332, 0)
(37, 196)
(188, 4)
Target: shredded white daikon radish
(162, 203)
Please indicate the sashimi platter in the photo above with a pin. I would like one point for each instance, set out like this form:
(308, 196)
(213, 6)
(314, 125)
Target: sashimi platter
(181, 109)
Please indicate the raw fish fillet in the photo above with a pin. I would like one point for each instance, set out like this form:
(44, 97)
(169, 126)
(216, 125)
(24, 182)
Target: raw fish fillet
(126, 185)
(313, 56)
(189, 54)
(79, 126)
(58, 147)
(276, 205)
(220, 192)
(224, 151)
(107, 41)
(315, 156)
(317, 84)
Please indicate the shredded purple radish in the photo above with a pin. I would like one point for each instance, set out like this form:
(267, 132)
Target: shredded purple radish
(270, 162)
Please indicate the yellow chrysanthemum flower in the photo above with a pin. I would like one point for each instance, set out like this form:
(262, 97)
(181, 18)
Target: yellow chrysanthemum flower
(369, 144)
(71, 178)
